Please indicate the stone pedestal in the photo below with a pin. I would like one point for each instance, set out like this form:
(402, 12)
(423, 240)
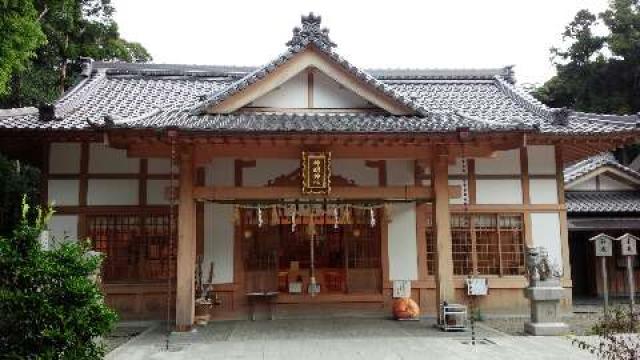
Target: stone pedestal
(545, 309)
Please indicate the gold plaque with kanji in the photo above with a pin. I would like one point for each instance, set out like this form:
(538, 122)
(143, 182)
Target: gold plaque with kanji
(316, 172)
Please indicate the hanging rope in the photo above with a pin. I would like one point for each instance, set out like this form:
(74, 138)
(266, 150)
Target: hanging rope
(172, 202)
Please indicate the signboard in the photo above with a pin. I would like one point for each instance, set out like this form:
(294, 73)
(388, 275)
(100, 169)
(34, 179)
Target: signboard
(603, 244)
(477, 286)
(628, 245)
(316, 172)
(401, 289)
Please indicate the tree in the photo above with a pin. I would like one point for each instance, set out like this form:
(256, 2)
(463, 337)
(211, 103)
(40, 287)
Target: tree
(73, 29)
(16, 180)
(21, 36)
(51, 305)
(598, 73)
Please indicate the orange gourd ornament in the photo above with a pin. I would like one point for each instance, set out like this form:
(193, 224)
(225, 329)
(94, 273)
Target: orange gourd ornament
(405, 308)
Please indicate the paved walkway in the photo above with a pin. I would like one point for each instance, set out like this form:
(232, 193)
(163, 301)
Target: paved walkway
(341, 339)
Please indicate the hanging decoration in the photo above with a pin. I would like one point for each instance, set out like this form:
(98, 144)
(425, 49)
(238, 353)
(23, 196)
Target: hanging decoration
(341, 214)
(372, 217)
(311, 227)
(236, 215)
(275, 217)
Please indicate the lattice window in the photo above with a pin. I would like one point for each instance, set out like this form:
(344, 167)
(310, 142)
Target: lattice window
(431, 246)
(461, 244)
(136, 246)
(512, 244)
(487, 244)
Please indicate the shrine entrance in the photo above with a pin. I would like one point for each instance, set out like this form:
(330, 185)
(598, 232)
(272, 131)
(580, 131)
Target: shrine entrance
(303, 252)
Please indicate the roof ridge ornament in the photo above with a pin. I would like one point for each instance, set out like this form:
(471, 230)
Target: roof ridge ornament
(311, 32)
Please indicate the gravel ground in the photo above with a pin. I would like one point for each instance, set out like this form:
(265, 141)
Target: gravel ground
(580, 322)
(122, 334)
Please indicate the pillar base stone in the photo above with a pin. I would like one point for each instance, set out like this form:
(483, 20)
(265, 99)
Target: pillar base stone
(546, 329)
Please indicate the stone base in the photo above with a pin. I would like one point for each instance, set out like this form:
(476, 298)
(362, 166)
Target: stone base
(546, 329)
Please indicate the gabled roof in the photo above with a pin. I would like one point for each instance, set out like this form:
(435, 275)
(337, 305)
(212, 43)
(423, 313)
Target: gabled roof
(600, 201)
(592, 164)
(163, 95)
(311, 36)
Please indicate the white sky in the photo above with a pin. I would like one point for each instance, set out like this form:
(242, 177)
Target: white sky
(370, 34)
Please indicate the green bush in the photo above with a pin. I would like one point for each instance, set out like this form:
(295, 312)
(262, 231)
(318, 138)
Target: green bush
(50, 304)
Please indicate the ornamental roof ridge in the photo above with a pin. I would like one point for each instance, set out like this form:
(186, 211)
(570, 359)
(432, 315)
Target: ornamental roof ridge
(310, 32)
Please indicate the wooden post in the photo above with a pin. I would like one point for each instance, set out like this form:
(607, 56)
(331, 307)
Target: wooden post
(605, 284)
(632, 290)
(185, 290)
(441, 221)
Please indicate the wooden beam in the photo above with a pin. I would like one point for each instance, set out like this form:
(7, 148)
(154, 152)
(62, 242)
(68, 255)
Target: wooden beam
(441, 221)
(185, 291)
(213, 193)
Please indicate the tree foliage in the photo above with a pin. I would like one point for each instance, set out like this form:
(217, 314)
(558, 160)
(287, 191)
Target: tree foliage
(598, 73)
(16, 180)
(50, 303)
(73, 29)
(21, 36)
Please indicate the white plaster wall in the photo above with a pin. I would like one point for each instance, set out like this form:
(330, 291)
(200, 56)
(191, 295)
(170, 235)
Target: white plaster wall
(268, 169)
(541, 159)
(104, 160)
(545, 230)
(327, 93)
(63, 192)
(112, 192)
(160, 166)
(543, 191)
(505, 191)
(63, 227)
(156, 192)
(503, 163)
(607, 183)
(64, 158)
(400, 172)
(218, 241)
(403, 254)
(587, 185)
(460, 200)
(356, 170)
(291, 94)
(221, 172)
(218, 225)
(456, 168)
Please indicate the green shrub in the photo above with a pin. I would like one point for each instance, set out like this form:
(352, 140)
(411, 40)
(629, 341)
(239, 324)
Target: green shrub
(50, 304)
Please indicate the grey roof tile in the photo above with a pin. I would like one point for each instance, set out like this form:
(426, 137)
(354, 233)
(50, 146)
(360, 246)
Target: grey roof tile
(602, 201)
(588, 165)
(164, 93)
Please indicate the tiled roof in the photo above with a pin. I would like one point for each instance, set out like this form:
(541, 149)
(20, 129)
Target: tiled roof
(586, 166)
(159, 95)
(602, 201)
(314, 122)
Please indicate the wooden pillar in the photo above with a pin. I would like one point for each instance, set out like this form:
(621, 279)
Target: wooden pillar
(186, 259)
(441, 221)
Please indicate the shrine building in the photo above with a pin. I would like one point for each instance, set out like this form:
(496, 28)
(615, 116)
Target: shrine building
(308, 179)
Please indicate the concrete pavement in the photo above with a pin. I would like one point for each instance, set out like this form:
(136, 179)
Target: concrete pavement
(341, 339)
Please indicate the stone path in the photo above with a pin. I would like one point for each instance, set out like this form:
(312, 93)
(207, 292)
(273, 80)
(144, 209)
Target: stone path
(341, 339)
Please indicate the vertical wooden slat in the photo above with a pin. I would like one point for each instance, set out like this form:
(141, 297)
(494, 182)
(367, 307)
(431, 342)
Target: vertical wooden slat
(83, 188)
(200, 173)
(564, 226)
(186, 244)
(526, 196)
(441, 221)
